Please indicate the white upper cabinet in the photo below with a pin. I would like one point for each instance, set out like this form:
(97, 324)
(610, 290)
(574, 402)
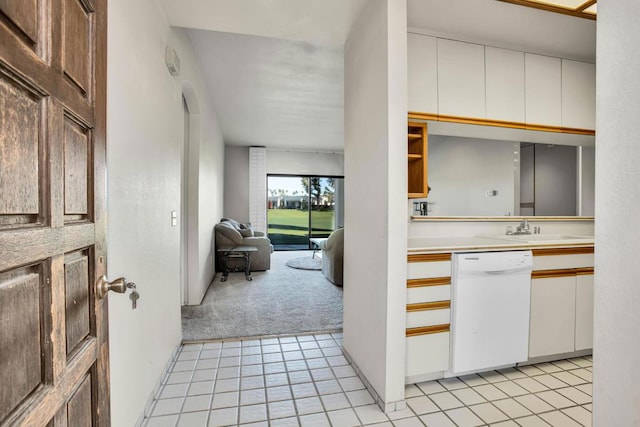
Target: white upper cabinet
(543, 83)
(452, 78)
(505, 84)
(461, 82)
(422, 73)
(578, 94)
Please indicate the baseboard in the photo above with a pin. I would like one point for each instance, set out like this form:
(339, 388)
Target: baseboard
(554, 357)
(156, 388)
(386, 407)
(424, 377)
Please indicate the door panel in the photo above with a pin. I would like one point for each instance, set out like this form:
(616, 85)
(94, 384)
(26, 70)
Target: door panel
(23, 14)
(21, 368)
(77, 49)
(76, 170)
(79, 406)
(54, 339)
(77, 293)
(20, 123)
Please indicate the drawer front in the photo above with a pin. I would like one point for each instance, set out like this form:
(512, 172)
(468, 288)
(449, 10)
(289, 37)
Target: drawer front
(425, 270)
(428, 294)
(416, 319)
(427, 353)
(553, 262)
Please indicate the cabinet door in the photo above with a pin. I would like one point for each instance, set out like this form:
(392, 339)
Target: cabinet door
(427, 354)
(543, 81)
(505, 84)
(578, 94)
(584, 311)
(553, 316)
(461, 82)
(422, 73)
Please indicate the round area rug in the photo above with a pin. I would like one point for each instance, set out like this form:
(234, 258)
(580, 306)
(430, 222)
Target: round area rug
(305, 263)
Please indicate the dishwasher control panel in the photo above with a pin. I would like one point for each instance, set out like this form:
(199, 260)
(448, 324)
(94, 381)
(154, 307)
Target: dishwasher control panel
(492, 261)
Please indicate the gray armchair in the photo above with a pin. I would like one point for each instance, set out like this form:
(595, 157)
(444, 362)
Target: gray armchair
(230, 233)
(332, 257)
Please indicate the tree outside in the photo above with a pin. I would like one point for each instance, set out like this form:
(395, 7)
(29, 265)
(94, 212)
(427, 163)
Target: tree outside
(291, 221)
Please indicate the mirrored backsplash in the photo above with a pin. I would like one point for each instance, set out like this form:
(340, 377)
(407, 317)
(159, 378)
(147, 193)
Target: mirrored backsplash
(482, 177)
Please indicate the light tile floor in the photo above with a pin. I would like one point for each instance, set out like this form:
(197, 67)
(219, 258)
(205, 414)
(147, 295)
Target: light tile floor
(305, 380)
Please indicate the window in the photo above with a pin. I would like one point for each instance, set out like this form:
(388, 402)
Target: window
(302, 207)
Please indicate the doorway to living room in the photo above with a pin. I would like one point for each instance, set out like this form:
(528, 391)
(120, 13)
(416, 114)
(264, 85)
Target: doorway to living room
(303, 207)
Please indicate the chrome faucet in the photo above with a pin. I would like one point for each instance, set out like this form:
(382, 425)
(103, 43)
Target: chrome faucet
(523, 228)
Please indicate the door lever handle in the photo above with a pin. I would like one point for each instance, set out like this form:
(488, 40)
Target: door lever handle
(119, 285)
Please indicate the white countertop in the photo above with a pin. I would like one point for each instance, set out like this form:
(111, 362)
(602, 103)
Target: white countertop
(477, 243)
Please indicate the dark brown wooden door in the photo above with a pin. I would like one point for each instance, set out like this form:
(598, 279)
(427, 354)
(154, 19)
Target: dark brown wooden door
(53, 329)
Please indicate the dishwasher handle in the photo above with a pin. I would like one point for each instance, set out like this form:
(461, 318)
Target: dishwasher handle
(522, 270)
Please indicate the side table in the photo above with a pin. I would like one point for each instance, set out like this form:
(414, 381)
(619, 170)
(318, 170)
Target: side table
(237, 252)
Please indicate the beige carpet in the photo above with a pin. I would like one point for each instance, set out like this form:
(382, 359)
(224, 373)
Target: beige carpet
(282, 300)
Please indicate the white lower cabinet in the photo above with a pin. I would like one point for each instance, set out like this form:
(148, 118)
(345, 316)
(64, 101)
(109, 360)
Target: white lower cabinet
(552, 326)
(427, 354)
(428, 317)
(561, 313)
(584, 311)
(416, 319)
(561, 319)
(428, 294)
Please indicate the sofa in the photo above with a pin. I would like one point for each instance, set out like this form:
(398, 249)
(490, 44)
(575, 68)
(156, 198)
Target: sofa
(332, 257)
(230, 233)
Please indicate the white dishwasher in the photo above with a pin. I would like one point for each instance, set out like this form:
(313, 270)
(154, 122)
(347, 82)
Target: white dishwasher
(490, 310)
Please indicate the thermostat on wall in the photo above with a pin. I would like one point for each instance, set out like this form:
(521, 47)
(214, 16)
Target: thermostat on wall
(172, 61)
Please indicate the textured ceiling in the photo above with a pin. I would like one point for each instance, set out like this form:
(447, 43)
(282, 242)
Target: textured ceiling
(274, 92)
(275, 67)
(319, 22)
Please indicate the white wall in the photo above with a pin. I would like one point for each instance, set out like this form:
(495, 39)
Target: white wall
(375, 196)
(462, 170)
(285, 162)
(616, 394)
(236, 183)
(291, 162)
(206, 167)
(144, 148)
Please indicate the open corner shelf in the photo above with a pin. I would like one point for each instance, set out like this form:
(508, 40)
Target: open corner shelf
(417, 158)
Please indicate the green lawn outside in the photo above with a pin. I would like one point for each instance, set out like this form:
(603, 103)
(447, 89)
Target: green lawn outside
(293, 224)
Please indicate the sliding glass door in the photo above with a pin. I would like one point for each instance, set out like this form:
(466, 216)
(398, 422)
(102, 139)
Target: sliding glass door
(301, 207)
(287, 212)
